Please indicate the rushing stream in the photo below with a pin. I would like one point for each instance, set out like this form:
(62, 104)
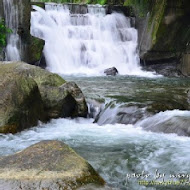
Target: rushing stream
(137, 127)
(116, 150)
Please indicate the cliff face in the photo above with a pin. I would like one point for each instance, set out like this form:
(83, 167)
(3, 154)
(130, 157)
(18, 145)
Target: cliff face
(164, 30)
(1, 10)
(22, 11)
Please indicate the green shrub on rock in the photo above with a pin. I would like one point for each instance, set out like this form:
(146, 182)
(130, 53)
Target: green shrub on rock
(3, 31)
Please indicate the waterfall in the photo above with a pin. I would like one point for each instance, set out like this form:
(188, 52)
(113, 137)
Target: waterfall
(14, 46)
(86, 43)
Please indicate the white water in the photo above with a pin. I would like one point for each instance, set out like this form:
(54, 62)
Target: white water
(12, 14)
(175, 121)
(114, 150)
(86, 43)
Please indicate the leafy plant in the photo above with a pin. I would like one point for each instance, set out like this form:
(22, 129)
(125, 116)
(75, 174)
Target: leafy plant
(3, 31)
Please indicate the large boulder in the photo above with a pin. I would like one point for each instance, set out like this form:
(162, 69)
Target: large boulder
(29, 93)
(20, 102)
(48, 165)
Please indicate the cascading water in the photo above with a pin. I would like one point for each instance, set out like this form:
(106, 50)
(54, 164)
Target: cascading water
(14, 45)
(86, 43)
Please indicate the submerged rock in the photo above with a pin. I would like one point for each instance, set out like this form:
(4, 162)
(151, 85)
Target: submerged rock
(111, 71)
(47, 165)
(29, 93)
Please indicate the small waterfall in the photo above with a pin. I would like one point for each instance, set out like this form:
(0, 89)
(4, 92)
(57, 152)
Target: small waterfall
(14, 45)
(86, 43)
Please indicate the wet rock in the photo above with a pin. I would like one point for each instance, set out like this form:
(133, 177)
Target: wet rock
(163, 28)
(185, 64)
(39, 4)
(124, 114)
(168, 122)
(167, 69)
(35, 46)
(81, 109)
(33, 88)
(111, 71)
(47, 165)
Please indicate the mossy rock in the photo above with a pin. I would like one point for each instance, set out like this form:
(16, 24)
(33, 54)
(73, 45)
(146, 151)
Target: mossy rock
(21, 105)
(29, 94)
(163, 27)
(36, 47)
(47, 165)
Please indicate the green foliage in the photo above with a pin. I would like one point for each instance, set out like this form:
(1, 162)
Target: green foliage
(3, 31)
(142, 6)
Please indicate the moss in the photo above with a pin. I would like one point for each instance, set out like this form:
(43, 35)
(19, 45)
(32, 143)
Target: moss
(157, 17)
(9, 129)
(35, 49)
(141, 7)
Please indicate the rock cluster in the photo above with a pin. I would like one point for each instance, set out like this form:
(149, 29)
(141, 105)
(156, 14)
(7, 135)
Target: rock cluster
(29, 94)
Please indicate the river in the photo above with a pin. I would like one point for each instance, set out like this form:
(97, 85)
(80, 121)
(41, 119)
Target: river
(117, 150)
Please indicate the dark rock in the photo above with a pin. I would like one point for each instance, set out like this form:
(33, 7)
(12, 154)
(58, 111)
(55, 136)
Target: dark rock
(39, 4)
(111, 71)
(185, 64)
(167, 69)
(122, 114)
(163, 28)
(47, 165)
(126, 10)
(35, 48)
(81, 109)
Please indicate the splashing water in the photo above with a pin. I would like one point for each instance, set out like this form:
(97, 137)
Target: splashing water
(86, 43)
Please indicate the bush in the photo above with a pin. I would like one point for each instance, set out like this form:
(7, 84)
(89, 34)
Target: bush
(3, 31)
